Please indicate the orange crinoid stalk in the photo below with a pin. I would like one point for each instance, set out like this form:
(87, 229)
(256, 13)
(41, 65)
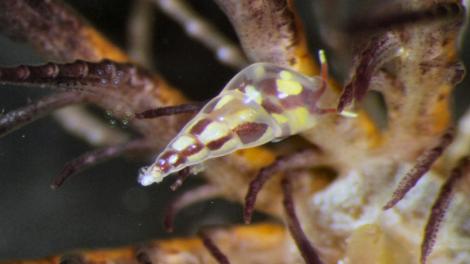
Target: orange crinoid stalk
(353, 194)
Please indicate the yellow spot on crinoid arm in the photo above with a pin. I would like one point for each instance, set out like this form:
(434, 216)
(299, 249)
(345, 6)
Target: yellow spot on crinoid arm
(289, 87)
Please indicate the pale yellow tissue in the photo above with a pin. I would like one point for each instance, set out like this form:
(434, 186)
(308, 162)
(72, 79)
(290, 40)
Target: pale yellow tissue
(300, 119)
(369, 244)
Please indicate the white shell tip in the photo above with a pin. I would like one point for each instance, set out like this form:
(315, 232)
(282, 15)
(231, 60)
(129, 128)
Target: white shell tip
(149, 175)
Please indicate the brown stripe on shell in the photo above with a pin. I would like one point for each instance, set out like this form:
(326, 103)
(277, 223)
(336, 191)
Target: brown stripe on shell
(179, 161)
(199, 127)
(267, 86)
(293, 101)
(165, 165)
(270, 106)
(380, 50)
(192, 149)
(304, 99)
(250, 132)
(218, 143)
(310, 99)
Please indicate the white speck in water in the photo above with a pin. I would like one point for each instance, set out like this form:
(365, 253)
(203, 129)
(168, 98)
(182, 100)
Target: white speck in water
(136, 200)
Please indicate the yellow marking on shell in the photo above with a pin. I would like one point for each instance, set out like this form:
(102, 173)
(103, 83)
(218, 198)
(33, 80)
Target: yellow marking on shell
(246, 115)
(280, 119)
(213, 131)
(289, 87)
(223, 101)
(300, 119)
(285, 75)
(240, 117)
(259, 72)
(183, 142)
(253, 94)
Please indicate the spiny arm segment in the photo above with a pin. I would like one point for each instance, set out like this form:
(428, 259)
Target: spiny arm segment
(17, 118)
(423, 165)
(94, 157)
(380, 22)
(379, 51)
(441, 205)
(77, 74)
(262, 103)
(300, 160)
(214, 250)
(111, 85)
(170, 110)
(307, 250)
